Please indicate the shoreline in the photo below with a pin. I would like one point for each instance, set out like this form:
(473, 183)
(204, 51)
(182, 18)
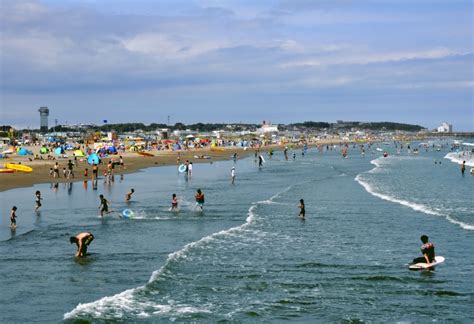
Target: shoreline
(133, 163)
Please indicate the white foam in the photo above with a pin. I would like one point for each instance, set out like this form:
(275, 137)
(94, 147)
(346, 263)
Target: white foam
(415, 206)
(125, 302)
(459, 157)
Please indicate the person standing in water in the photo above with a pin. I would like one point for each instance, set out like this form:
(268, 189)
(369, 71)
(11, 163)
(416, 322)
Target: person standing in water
(174, 202)
(104, 205)
(260, 161)
(82, 241)
(302, 209)
(428, 251)
(199, 198)
(232, 174)
(463, 167)
(38, 200)
(128, 195)
(13, 217)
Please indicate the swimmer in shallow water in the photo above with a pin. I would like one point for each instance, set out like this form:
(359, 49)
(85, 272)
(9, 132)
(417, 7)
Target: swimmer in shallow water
(129, 194)
(82, 241)
(13, 217)
(174, 202)
(302, 209)
(104, 205)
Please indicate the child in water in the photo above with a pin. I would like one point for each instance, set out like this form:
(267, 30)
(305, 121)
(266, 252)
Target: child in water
(13, 217)
(174, 202)
(128, 196)
(199, 199)
(38, 200)
(302, 209)
(104, 205)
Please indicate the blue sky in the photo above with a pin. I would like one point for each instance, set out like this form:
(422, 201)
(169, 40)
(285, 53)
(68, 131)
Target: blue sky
(231, 61)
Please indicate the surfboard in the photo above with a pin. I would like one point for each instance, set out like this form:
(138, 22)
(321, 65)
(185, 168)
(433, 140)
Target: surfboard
(18, 167)
(146, 154)
(424, 266)
(6, 171)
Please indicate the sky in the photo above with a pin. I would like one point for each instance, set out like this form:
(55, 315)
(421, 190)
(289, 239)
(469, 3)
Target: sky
(408, 61)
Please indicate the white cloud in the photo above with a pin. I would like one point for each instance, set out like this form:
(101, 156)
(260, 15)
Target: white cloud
(368, 57)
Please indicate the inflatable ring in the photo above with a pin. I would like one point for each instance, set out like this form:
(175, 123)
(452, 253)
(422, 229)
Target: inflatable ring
(127, 213)
(182, 168)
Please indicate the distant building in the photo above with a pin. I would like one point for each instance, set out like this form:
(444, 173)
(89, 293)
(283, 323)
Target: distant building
(44, 113)
(445, 128)
(267, 128)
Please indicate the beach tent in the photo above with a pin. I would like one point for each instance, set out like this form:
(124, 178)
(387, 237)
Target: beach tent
(112, 150)
(23, 152)
(59, 150)
(93, 159)
(44, 150)
(79, 153)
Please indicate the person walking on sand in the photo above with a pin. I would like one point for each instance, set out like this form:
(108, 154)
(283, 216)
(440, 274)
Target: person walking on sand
(199, 199)
(104, 205)
(70, 173)
(174, 202)
(302, 209)
(129, 194)
(38, 200)
(82, 241)
(232, 175)
(13, 217)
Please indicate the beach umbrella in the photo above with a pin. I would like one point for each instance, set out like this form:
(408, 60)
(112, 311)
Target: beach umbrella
(79, 153)
(93, 159)
(59, 150)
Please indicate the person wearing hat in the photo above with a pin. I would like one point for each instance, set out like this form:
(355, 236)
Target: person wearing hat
(232, 174)
(428, 251)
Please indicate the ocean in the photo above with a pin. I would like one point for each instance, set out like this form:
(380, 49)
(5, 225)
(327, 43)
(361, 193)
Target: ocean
(248, 257)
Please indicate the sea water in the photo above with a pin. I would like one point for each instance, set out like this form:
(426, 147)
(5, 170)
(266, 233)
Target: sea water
(247, 257)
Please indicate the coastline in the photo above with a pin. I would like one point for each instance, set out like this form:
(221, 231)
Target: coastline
(133, 162)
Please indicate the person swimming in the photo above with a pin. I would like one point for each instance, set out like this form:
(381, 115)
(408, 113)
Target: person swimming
(82, 241)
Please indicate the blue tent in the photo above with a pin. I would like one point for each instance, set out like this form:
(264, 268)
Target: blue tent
(93, 159)
(23, 151)
(112, 150)
(59, 150)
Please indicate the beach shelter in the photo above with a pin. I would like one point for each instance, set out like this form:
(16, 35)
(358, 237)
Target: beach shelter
(44, 150)
(23, 152)
(59, 150)
(112, 150)
(79, 153)
(93, 159)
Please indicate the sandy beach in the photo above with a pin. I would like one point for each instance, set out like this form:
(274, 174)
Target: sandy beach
(133, 162)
